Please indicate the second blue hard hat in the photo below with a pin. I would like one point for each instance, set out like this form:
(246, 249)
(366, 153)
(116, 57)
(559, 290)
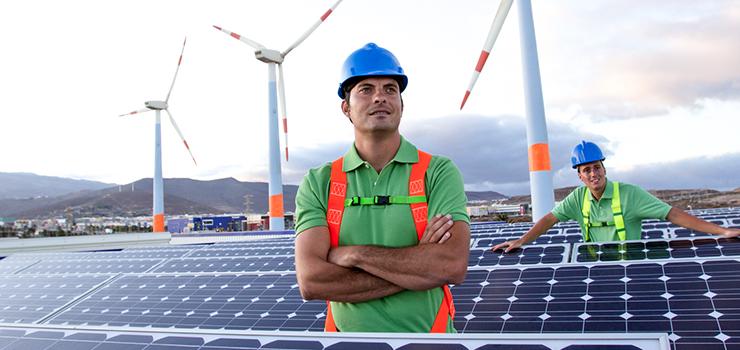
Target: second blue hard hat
(370, 60)
(586, 152)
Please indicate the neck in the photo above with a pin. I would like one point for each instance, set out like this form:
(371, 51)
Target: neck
(378, 150)
(597, 192)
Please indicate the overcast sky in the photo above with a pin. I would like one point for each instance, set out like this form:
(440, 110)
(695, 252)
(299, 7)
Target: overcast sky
(655, 83)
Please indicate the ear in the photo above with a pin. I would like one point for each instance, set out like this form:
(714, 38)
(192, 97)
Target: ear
(345, 110)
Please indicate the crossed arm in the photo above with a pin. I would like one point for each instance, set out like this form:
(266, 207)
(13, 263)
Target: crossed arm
(361, 273)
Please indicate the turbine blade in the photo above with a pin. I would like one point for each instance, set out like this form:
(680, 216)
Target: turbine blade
(179, 61)
(281, 98)
(313, 27)
(136, 112)
(498, 21)
(252, 43)
(172, 120)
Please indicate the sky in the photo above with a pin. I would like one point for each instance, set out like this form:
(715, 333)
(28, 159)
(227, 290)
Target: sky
(655, 84)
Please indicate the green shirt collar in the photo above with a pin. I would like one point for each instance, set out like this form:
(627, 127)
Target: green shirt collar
(407, 153)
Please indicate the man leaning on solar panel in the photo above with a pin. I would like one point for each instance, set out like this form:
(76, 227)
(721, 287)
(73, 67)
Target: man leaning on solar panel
(609, 210)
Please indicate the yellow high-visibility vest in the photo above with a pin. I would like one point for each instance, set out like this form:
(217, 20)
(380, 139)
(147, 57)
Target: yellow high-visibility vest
(616, 213)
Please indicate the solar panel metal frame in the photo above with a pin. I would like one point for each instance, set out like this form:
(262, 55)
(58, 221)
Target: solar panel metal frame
(302, 340)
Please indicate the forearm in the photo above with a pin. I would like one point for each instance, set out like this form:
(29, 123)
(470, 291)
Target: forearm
(327, 281)
(419, 267)
(320, 279)
(684, 219)
(540, 227)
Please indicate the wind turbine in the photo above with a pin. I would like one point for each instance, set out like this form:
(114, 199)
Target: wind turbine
(275, 87)
(540, 176)
(158, 106)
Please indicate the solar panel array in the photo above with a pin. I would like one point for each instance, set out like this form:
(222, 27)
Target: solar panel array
(686, 288)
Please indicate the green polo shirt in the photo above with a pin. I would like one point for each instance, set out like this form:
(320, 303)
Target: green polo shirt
(637, 205)
(384, 225)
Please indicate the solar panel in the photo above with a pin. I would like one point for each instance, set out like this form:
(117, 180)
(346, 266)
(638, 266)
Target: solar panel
(657, 249)
(282, 242)
(229, 264)
(140, 254)
(31, 298)
(50, 267)
(246, 251)
(530, 255)
(682, 233)
(696, 302)
(542, 240)
(228, 301)
(10, 266)
(120, 339)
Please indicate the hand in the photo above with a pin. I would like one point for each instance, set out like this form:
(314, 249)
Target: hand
(437, 230)
(509, 245)
(341, 256)
(731, 232)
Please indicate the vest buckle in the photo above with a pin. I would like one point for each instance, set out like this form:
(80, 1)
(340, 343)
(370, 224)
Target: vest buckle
(382, 200)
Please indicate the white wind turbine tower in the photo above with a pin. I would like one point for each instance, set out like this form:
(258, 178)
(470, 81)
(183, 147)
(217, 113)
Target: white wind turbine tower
(158, 184)
(275, 87)
(540, 176)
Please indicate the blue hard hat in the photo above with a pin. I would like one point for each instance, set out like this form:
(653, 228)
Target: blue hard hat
(586, 152)
(371, 60)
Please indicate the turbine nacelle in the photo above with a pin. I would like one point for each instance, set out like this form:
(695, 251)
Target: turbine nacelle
(156, 105)
(269, 56)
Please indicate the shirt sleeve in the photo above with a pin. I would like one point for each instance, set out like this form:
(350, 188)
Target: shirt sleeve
(649, 206)
(445, 190)
(310, 200)
(570, 207)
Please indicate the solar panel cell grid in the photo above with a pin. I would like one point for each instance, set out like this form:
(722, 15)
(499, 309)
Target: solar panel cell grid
(524, 256)
(8, 266)
(28, 299)
(267, 251)
(685, 299)
(264, 302)
(92, 266)
(650, 250)
(229, 264)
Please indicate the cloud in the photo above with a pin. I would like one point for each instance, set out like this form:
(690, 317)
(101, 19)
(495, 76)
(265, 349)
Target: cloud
(646, 60)
(491, 153)
(701, 172)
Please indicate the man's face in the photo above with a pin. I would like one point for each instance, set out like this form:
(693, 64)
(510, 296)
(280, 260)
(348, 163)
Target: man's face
(593, 175)
(374, 105)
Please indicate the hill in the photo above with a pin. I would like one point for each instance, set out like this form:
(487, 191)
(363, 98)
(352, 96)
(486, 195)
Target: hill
(182, 196)
(27, 185)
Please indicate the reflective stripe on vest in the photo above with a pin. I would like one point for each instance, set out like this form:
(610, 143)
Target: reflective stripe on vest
(335, 211)
(616, 213)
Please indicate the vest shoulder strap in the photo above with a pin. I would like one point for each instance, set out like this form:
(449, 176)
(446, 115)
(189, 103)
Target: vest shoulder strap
(616, 214)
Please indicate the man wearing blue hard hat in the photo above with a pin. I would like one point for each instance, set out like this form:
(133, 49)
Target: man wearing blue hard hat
(610, 210)
(383, 230)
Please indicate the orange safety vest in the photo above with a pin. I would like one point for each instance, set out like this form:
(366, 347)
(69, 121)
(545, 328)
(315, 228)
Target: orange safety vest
(335, 211)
